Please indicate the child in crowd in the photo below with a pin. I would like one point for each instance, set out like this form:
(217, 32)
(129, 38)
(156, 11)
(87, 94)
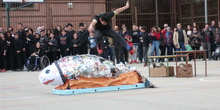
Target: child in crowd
(75, 43)
(92, 44)
(63, 42)
(52, 48)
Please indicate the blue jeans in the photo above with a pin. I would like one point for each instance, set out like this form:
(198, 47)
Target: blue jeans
(155, 46)
(182, 47)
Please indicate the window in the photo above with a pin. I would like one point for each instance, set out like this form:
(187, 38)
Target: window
(185, 10)
(14, 5)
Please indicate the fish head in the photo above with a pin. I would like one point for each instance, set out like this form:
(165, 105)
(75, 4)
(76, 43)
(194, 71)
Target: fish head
(50, 76)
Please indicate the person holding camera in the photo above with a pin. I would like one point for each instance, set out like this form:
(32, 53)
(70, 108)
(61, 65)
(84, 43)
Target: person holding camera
(207, 40)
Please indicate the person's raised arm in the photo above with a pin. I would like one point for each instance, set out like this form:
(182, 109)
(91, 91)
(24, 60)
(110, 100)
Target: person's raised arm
(119, 10)
(92, 25)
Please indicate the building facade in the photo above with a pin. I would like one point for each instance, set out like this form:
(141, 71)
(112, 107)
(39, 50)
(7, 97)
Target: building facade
(142, 12)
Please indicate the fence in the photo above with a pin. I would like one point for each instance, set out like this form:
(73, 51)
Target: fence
(142, 12)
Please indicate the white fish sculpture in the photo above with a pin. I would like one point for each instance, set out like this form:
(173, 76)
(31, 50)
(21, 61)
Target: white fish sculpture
(71, 67)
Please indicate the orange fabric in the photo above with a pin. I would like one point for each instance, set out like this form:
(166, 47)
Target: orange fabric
(129, 78)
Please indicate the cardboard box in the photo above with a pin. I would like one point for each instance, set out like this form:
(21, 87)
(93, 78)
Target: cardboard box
(162, 71)
(181, 70)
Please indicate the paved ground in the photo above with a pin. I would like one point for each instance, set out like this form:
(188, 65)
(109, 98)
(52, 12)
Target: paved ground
(23, 91)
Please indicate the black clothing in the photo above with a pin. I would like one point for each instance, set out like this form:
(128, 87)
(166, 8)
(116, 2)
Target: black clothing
(120, 53)
(39, 52)
(110, 33)
(63, 45)
(105, 46)
(212, 28)
(18, 47)
(54, 46)
(93, 51)
(10, 53)
(3, 47)
(69, 34)
(18, 63)
(181, 36)
(135, 36)
(30, 44)
(63, 42)
(208, 34)
(44, 44)
(140, 51)
(75, 50)
(52, 56)
(146, 39)
(34, 59)
(195, 42)
(99, 25)
(22, 35)
(53, 50)
(106, 30)
(83, 38)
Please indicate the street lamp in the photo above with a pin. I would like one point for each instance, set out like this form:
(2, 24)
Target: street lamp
(206, 12)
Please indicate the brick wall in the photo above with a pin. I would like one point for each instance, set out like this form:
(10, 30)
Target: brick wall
(55, 13)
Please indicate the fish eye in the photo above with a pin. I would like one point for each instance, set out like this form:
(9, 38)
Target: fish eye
(47, 71)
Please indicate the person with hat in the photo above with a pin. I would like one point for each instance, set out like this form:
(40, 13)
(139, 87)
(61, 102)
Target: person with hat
(83, 35)
(69, 31)
(101, 24)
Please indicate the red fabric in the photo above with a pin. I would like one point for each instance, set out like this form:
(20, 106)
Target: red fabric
(163, 31)
(207, 38)
(129, 78)
(157, 35)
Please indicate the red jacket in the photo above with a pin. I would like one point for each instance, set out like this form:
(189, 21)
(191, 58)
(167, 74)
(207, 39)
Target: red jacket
(156, 36)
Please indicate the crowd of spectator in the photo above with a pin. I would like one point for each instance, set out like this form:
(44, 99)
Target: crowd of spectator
(16, 47)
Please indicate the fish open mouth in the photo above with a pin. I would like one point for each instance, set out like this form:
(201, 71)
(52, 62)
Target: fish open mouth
(49, 81)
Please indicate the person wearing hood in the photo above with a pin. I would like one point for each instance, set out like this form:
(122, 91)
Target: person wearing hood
(168, 41)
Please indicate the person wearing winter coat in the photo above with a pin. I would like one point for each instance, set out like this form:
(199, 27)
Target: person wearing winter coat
(180, 39)
(52, 48)
(18, 50)
(195, 39)
(75, 45)
(83, 35)
(155, 37)
(207, 36)
(31, 40)
(10, 51)
(167, 43)
(63, 44)
(146, 43)
(3, 50)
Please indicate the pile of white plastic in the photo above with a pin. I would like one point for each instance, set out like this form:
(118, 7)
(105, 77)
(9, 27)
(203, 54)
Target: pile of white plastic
(89, 66)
